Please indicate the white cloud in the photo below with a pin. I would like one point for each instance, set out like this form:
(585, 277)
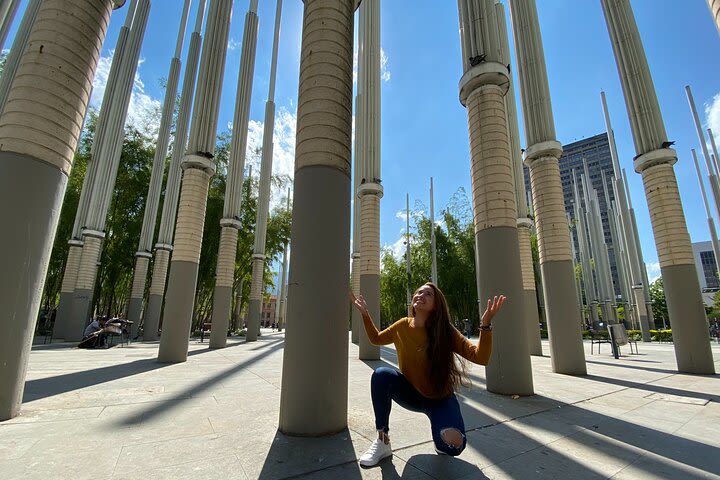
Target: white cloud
(653, 271)
(233, 44)
(384, 70)
(283, 149)
(712, 117)
(143, 111)
(397, 248)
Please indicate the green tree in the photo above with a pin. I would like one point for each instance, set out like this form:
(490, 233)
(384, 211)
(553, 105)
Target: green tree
(657, 298)
(455, 251)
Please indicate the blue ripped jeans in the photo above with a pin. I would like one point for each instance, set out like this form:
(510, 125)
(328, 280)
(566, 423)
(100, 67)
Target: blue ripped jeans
(387, 384)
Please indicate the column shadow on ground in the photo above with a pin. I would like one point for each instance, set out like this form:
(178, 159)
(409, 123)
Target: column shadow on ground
(68, 382)
(614, 437)
(648, 369)
(184, 395)
(624, 440)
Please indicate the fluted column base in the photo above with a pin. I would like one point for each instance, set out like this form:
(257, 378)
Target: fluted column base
(510, 370)
(566, 347)
(222, 305)
(689, 324)
(370, 289)
(533, 323)
(642, 311)
(151, 319)
(29, 189)
(315, 361)
(177, 318)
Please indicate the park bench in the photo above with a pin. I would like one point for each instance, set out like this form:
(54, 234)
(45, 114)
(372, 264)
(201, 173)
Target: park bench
(596, 339)
(618, 334)
(204, 328)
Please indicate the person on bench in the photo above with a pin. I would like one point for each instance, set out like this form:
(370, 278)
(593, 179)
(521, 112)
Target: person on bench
(95, 335)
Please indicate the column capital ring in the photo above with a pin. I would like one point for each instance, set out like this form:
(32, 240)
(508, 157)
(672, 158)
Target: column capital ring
(549, 148)
(486, 73)
(654, 157)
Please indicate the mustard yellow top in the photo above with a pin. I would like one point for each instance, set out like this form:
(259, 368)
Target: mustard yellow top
(411, 342)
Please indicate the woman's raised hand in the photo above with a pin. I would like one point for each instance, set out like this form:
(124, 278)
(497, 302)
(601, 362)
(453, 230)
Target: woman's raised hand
(493, 306)
(359, 303)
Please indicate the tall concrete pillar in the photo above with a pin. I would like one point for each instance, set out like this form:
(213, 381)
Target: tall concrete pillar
(230, 223)
(599, 249)
(163, 247)
(313, 398)
(39, 131)
(588, 279)
(370, 190)
(634, 255)
(654, 161)
(66, 323)
(18, 47)
(524, 223)
(8, 9)
(106, 154)
(714, 6)
(356, 322)
(483, 88)
(198, 167)
(280, 315)
(144, 255)
(542, 156)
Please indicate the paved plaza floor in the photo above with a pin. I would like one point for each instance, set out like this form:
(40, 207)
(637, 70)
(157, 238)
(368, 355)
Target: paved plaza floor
(119, 414)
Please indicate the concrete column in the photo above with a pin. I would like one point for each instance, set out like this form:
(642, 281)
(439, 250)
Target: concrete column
(225, 276)
(198, 167)
(714, 6)
(654, 161)
(712, 177)
(67, 289)
(542, 156)
(370, 191)
(106, 153)
(224, 279)
(356, 322)
(65, 317)
(313, 399)
(588, 280)
(524, 223)
(137, 292)
(634, 253)
(153, 196)
(483, 87)
(151, 319)
(8, 9)
(18, 47)
(283, 278)
(599, 250)
(39, 131)
(263, 203)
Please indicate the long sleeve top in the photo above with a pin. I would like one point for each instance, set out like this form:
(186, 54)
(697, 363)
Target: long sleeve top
(411, 342)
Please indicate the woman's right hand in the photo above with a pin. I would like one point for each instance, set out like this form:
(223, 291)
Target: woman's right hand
(359, 303)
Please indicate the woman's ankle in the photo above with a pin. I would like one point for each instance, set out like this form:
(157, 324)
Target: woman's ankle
(384, 437)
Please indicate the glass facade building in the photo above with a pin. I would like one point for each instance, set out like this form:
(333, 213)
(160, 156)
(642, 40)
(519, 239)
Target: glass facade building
(595, 152)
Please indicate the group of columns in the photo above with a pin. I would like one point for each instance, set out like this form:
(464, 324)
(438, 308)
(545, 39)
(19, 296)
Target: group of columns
(39, 131)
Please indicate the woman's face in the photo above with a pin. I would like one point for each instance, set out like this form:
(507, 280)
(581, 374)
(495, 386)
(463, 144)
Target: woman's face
(424, 299)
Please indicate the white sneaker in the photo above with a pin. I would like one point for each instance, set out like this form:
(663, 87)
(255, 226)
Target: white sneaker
(377, 451)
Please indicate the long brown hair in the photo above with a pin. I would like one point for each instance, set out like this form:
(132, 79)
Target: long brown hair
(446, 372)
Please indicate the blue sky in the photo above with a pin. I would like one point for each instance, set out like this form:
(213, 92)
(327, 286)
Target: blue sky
(424, 127)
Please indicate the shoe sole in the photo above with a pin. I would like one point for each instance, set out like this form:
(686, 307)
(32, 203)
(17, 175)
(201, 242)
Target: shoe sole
(376, 463)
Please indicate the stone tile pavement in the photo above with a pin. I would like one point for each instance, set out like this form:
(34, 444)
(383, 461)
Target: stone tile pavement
(118, 414)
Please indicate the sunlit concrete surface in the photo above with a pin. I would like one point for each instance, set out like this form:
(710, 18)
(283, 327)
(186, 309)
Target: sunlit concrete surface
(119, 414)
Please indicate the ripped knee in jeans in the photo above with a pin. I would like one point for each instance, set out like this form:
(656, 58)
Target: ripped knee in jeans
(453, 441)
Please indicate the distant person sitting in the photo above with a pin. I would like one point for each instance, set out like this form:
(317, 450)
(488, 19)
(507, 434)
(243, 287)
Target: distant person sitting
(95, 335)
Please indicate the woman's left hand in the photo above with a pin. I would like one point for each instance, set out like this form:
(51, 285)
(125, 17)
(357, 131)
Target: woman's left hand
(493, 306)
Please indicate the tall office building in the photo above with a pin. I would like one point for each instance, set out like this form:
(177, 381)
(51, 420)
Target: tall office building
(595, 151)
(706, 267)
